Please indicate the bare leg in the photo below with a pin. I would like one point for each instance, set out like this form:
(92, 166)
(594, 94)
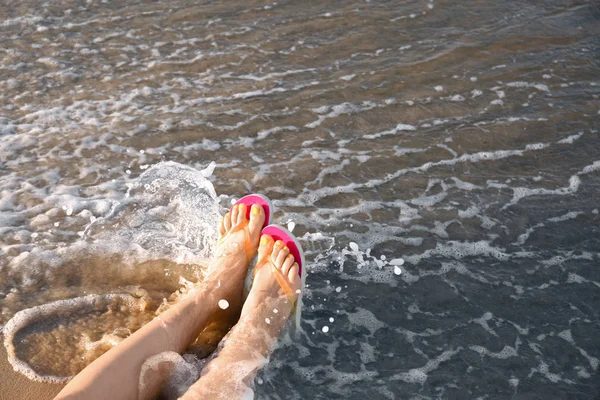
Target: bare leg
(115, 375)
(247, 345)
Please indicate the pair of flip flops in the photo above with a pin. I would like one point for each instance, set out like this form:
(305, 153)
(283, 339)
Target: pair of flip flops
(278, 233)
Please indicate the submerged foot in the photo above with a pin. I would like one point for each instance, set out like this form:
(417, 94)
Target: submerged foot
(238, 236)
(238, 241)
(237, 244)
(276, 284)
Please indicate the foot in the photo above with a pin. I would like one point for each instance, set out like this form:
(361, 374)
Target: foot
(267, 296)
(238, 241)
(238, 236)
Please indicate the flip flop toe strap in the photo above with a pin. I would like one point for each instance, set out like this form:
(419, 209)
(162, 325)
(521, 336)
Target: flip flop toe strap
(281, 279)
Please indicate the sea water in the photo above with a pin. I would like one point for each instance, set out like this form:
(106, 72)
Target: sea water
(439, 161)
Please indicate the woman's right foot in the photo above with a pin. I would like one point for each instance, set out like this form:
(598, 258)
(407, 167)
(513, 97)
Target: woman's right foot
(271, 299)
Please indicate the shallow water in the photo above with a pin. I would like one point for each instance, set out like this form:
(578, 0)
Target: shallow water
(460, 137)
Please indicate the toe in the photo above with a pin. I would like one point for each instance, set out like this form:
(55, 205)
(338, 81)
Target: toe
(293, 272)
(280, 251)
(227, 221)
(242, 209)
(276, 248)
(266, 244)
(283, 253)
(222, 227)
(257, 219)
(234, 214)
(287, 264)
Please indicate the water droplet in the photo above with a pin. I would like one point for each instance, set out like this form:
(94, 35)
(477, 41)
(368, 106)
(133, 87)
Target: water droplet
(353, 246)
(397, 270)
(338, 289)
(223, 304)
(397, 261)
(268, 321)
(325, 329)
(291, 225)
(331, 319)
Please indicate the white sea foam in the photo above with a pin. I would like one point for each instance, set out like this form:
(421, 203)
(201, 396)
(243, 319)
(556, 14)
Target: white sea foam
(520, 193)
(327, 112)
(473, 158)
(570, 139)
(28, 316)
(506, 352)
(274, 74)
(393, 131)
(420, 375)
(520, 84)
(365, 318)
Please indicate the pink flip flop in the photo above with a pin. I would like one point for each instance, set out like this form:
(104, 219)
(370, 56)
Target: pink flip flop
(278, 232)
(260, 199)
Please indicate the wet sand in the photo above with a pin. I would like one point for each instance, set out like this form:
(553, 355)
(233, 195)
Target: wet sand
(15, 386)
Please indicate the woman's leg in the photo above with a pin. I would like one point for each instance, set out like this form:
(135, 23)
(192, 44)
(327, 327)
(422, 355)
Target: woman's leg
(247, 345)
(115, 375)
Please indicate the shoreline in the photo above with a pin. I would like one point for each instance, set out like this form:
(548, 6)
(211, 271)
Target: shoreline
(15, 386)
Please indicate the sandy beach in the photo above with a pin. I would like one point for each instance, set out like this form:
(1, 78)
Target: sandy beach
(15, 386)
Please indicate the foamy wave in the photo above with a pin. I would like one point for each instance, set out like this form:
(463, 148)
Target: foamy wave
(26, 317)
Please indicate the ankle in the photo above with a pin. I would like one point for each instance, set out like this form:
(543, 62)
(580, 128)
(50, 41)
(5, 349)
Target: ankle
(225, 269)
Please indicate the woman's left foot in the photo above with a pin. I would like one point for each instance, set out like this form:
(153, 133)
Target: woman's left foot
(238, 237)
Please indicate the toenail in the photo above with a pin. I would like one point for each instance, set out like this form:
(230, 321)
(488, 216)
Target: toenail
(264, 241)
(289, 256)
(278, 243)
(235, 207)
(285, 248)
(255, 210)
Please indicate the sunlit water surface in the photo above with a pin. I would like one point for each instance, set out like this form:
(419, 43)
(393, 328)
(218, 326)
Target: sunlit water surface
(440, 161)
